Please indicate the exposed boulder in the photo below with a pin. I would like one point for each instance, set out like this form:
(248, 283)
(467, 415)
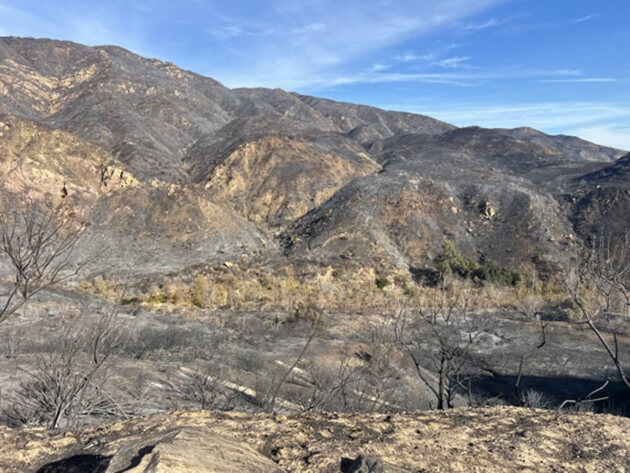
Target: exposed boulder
(487, 210)
(189, 450)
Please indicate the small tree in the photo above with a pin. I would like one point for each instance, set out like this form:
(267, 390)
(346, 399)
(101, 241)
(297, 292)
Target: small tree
(67, 379)
(450, 261)
(205, 388)
(38, 241)
(599, 286)
(356, 382)
(440, 339)
(530, 306)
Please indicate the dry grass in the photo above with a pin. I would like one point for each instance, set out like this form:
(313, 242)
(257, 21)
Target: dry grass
(338, 289)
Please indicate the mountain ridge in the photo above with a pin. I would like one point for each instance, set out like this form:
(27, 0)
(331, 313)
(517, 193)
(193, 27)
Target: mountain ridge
(298, 177)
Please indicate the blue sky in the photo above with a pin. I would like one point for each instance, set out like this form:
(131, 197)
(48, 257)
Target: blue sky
(562, 66)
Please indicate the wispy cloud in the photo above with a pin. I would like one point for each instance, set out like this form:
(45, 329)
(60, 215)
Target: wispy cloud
(432, 55)
(226, 32)
(617, 137)
(379, 67)
(490, 23)
(310, 28)
(581, 80)
(310, 44)
(566, 72)
(600, 122)
(375, 77)
(519, 28)
(91, 26)
(469, 77)
(452, 62)
(554, 117)
(411, 56)
(582, 19)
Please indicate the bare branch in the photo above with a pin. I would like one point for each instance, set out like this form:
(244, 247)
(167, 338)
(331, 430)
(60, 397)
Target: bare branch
(39, 242)
(600, 286)
(453, 334)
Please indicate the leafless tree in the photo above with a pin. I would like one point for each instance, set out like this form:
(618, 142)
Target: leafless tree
(202, 388)
(207, 385)
(357, 381)
(67, 379)
(327, 387)
(11, 342)
(530, 305)
(440, 339)
(207, 388)
(270, 383)
(38, 240)
(599, 287)
(270, 398)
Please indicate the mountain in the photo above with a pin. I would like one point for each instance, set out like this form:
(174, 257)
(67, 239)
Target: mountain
(602, 200)
(173, 170)
(571, 146)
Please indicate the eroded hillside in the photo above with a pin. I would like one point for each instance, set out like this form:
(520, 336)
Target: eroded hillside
(258, 173)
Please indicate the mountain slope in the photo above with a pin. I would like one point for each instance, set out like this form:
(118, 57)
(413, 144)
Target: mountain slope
(571, 146)
(213, 174)
(601, 200)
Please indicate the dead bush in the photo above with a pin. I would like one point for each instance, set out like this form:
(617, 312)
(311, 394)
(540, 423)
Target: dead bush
(67, 381)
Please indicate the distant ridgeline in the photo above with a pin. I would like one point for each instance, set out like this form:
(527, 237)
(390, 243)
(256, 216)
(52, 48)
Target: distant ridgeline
(175, 172)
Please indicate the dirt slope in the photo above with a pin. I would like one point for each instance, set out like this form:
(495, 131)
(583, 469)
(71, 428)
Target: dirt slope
(461, 440)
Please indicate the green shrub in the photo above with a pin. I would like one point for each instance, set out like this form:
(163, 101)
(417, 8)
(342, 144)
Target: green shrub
(451, 261)
(382, 282)
(408, 290)
(157, 297)
(127, 300)
(492, 272)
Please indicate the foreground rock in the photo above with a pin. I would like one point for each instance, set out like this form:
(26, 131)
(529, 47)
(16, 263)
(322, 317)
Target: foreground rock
(462, 440)
(189, 450)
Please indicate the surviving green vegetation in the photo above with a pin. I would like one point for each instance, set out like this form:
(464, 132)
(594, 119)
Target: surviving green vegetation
(450, 261)
(239, 286)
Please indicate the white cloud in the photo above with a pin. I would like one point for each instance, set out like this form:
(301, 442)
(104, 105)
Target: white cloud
(581, 80)
(452, 62)
(603, 123)
(411, 56)
(491, 23)
(383, 74)
(93, 28)
(310, 28)
(617, 137)
(566, 72)
(582, 19)
(552, 116)
(379, 67)
(226, 32)
(318, 42)
(554, 24)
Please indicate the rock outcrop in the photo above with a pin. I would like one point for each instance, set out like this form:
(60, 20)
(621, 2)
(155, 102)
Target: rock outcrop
(189, 450)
